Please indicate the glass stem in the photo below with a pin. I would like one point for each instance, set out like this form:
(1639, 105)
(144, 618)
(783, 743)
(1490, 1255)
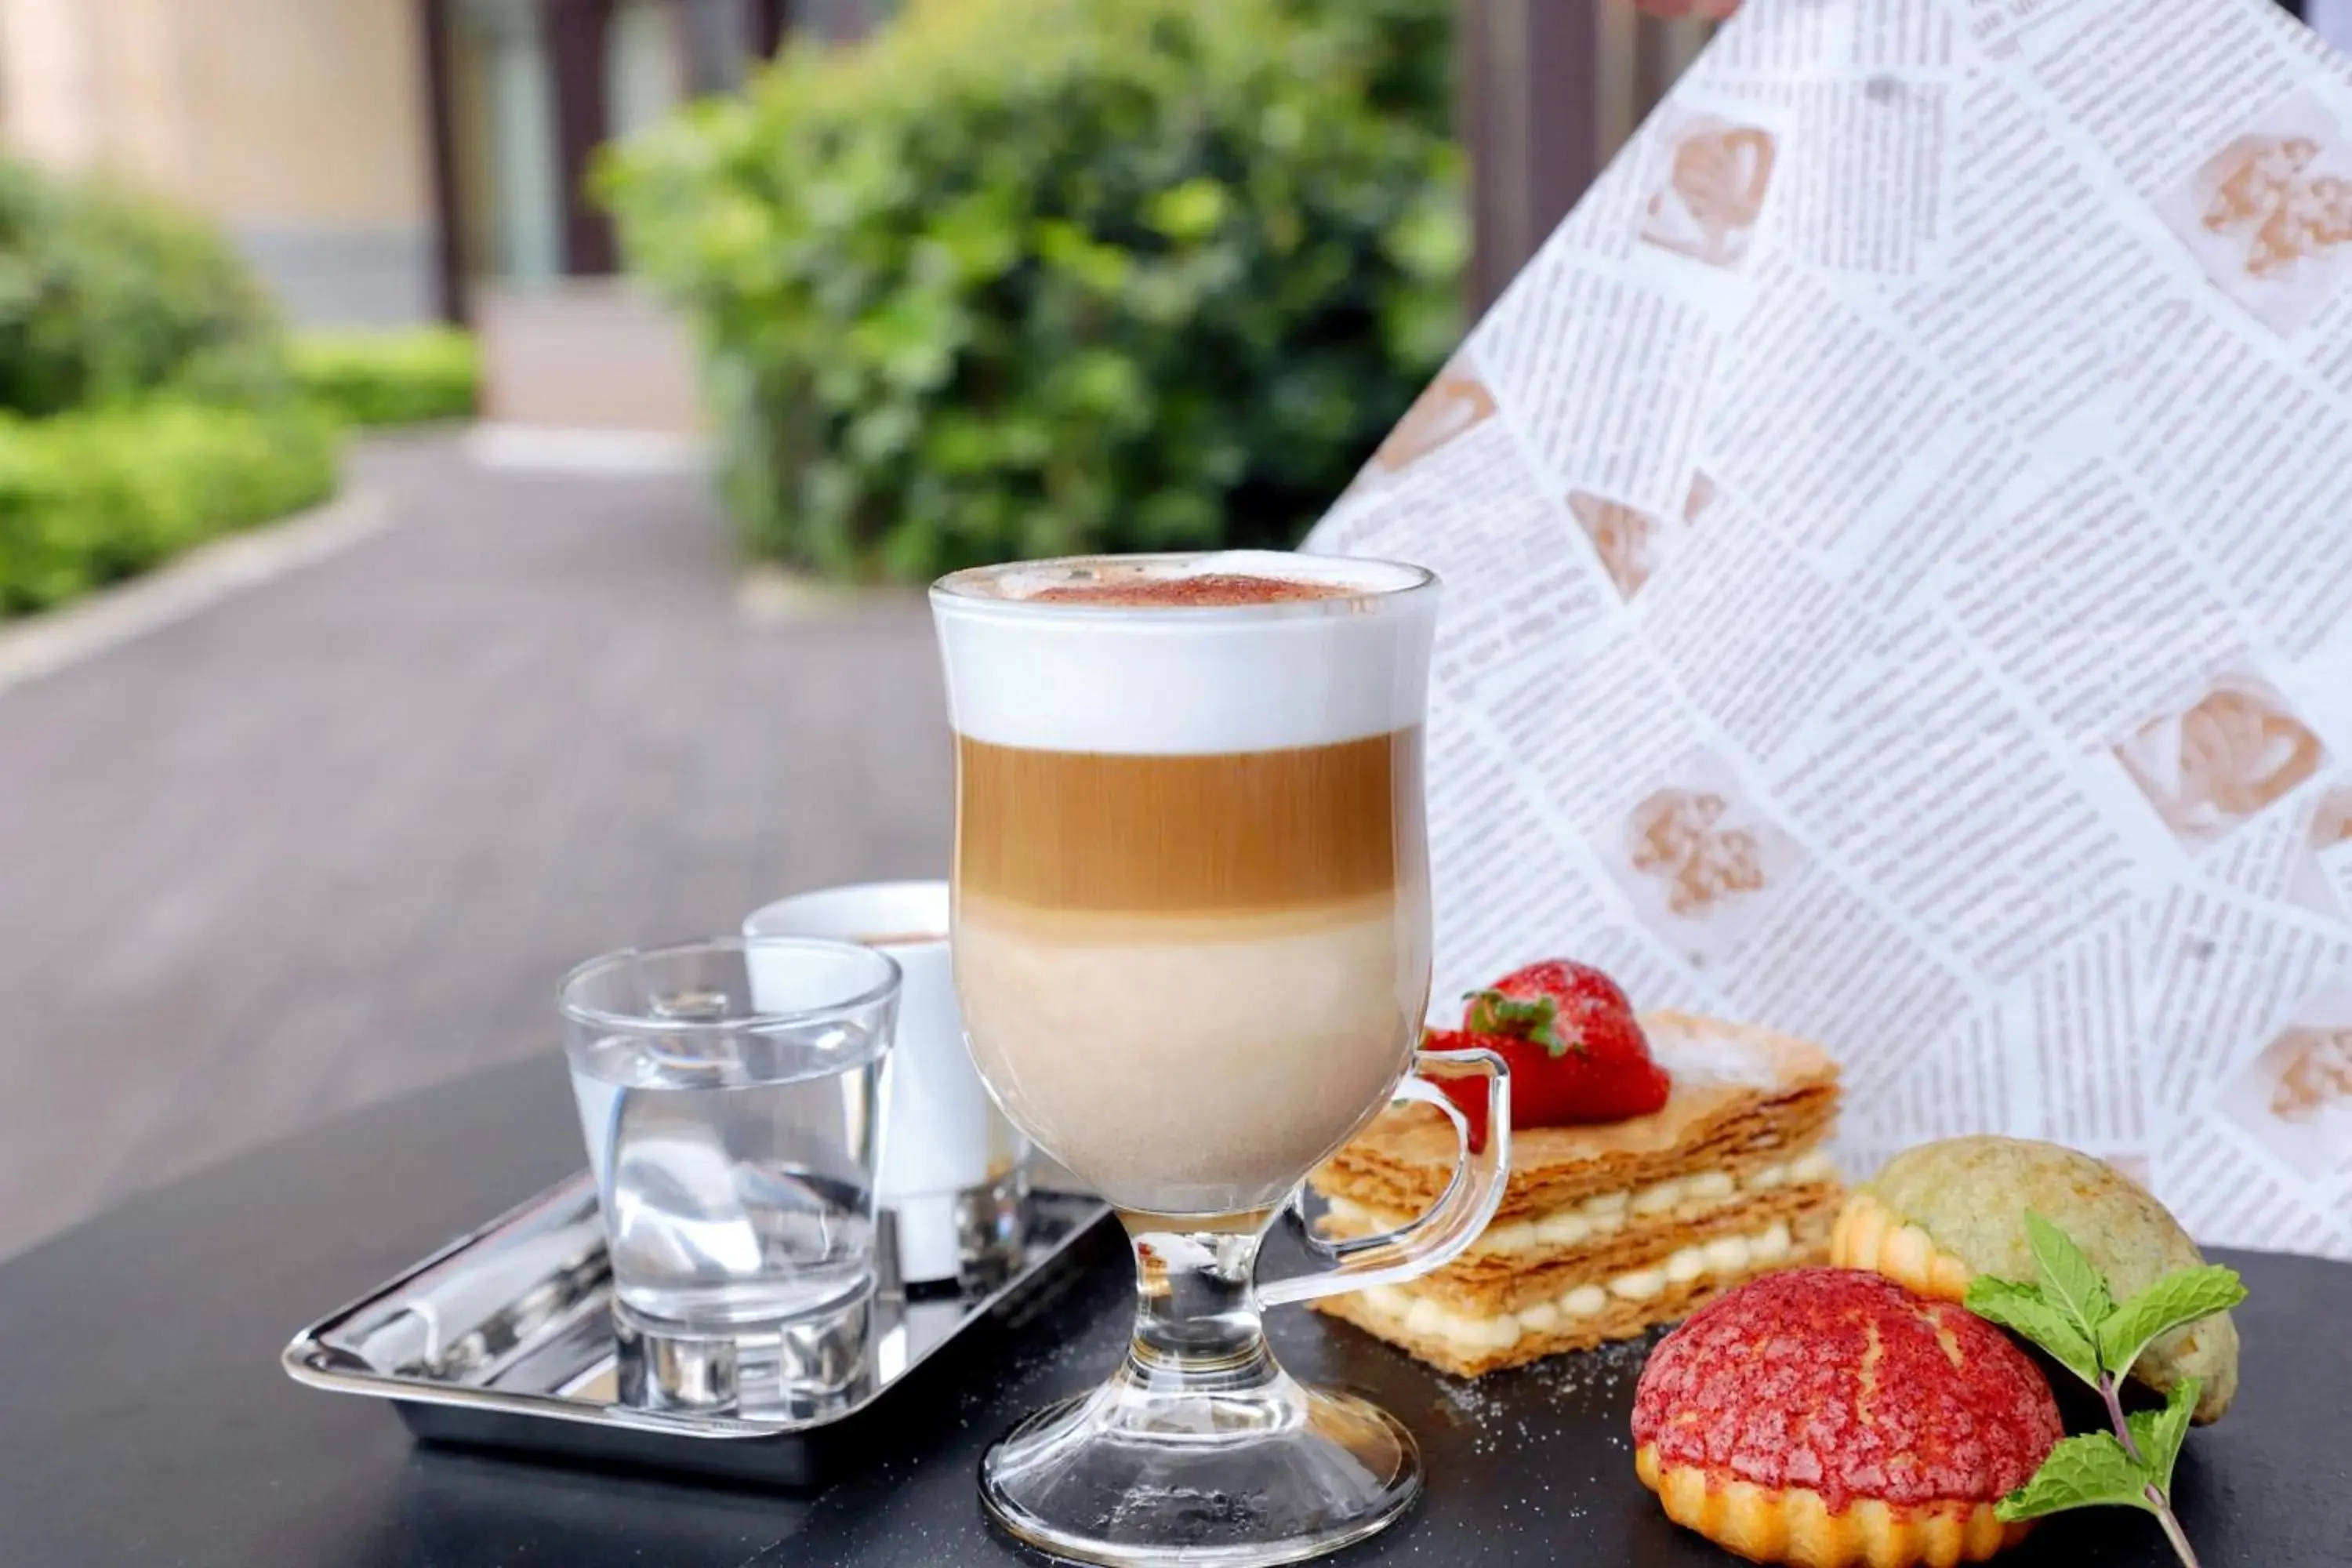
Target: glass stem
(1196, 1314)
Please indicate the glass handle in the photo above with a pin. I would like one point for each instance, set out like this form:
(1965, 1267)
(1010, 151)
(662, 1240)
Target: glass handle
(1461, 1214)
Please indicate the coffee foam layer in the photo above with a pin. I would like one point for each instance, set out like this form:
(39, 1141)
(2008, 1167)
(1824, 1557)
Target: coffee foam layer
(1187, 680)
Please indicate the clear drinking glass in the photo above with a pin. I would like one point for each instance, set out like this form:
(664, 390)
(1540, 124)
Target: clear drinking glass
(730, 1093)
(1191, 939)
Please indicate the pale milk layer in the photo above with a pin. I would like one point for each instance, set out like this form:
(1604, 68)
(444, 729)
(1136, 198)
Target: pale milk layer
(1188, 681)
(1193, 1064)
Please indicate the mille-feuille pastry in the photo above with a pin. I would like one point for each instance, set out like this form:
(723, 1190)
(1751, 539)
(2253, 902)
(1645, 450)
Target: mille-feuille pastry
(1937, 1216)
(1705, 1171)
(1829, 1417)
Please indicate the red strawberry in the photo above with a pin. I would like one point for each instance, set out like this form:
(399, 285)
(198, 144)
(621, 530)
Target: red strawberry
(1589, 1012)
(1576, 1053)
(1470, 1093)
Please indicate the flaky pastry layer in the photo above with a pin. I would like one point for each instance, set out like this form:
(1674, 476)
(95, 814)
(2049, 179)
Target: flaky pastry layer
(1578, 1318)
(1745, 1100)
(1490, 1282)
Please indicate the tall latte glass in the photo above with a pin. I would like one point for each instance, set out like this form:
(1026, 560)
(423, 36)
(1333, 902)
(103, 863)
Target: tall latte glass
(1191, 935)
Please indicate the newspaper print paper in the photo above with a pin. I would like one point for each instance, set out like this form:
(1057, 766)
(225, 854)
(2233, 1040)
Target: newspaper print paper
(1899, 537)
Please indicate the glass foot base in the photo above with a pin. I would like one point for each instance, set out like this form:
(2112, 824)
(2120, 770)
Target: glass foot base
(803, 1370)
(1276, 1474)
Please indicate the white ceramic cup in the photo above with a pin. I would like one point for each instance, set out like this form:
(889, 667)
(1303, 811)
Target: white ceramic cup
(952, 1165)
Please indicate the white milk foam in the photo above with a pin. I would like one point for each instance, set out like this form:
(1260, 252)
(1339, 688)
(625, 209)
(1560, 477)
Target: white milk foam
(1180, 681)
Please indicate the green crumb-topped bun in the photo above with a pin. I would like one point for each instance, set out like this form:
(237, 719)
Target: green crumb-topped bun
(1940, 1215)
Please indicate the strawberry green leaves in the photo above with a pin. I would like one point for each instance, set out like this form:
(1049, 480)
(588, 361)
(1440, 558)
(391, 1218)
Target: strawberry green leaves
(1533, 1019)
(2072, 1314)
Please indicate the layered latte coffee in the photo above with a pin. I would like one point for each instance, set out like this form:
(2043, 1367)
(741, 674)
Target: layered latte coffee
(1191, 918)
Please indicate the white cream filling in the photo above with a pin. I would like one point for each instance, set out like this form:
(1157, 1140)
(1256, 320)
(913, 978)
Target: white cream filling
(1726, 1256)
(1606, 1214)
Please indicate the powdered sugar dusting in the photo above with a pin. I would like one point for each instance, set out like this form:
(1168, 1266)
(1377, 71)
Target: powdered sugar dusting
(1696, 1054)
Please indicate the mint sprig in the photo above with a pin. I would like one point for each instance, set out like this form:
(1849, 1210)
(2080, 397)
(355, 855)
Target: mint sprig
(2070, 1281)
(2088, 1471)
(2072, 1314)
(2021, 1309)
(2171, 1302)
(2158, 1434)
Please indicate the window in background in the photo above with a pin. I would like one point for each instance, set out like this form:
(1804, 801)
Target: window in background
(718, 35)
(644, 63)
(837, 21)
(509, 186)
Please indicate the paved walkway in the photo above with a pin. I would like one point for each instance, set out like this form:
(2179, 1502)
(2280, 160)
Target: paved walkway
(335, 839)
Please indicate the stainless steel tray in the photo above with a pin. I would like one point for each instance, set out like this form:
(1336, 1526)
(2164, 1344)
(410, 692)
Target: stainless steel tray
(505, 1339)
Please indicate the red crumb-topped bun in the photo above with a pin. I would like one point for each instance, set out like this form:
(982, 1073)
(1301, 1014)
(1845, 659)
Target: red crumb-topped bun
(1846, 1382)
(1827, 1417)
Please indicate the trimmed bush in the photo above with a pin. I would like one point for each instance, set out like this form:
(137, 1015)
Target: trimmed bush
(89, 498)
(146, 401)
(389, 378)
(105, 296)
(1031, 276)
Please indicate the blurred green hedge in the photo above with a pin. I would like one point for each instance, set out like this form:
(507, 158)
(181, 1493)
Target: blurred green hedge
(105, 295)
(146, 397)
(1030, 277)
(89, 498)
(389, 378)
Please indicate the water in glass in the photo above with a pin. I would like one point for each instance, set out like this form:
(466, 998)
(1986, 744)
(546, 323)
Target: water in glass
(737, 1171)
(730, 1097)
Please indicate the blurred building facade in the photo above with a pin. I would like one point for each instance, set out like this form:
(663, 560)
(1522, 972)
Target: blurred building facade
(1548, 90)
(379, 158)
(391, 161)
(297, 123)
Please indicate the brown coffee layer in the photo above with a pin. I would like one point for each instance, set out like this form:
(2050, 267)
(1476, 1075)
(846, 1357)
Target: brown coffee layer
(1209, 591)
(1225, 832)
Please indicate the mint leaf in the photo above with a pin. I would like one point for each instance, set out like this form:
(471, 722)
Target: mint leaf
(2081, 1472)
(2176, 1299)
(2158, 1434)
(2023, 1309)
(2069, 1282)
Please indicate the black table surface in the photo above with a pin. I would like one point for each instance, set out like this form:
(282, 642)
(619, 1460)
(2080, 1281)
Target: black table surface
(143, 1418)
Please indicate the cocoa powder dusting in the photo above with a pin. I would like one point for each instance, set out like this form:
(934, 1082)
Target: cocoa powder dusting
(1209, 591)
